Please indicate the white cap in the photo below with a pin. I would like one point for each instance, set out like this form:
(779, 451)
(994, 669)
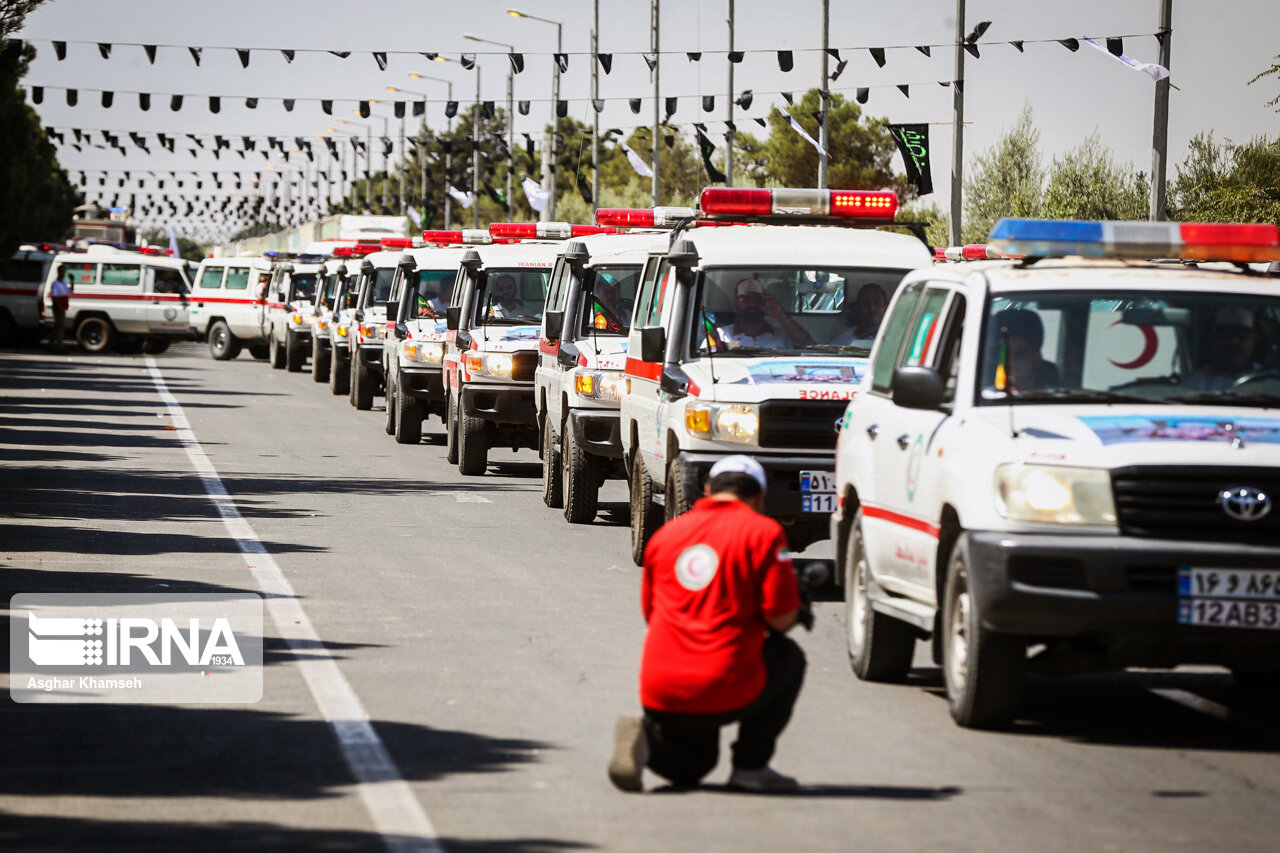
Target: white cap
(741, 464)
(748, 285)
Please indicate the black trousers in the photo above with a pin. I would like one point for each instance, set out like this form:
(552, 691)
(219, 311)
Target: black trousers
(685, 747)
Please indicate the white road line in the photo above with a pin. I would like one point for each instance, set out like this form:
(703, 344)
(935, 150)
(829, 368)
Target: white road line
(397, 815)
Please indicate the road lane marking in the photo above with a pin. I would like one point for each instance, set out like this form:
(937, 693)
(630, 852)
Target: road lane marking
(470, 498)
(396, 813)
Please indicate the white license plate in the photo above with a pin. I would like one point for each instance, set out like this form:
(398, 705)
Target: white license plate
(1229, 613)
(1248, 584)
(817, 491)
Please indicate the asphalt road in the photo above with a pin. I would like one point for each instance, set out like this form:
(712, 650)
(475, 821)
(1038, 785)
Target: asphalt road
(492, 645)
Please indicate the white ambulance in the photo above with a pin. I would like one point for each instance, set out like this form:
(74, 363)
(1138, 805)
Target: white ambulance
(123, 299)
(20, 280)
(290, 309)
(1069, 462)
(583, 351)
(337, 322)
(366, 328)
(751, 338)
(491, 349)
(413, 353)
(228, 305)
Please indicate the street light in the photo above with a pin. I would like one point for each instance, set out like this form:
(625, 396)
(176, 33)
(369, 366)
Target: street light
(511, 122)
(548, 157)
(386, 136)
(448, 154)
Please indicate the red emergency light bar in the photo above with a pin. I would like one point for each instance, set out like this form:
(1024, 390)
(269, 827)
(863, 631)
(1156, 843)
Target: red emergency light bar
(853, 204)
(150, 250)
(362, 249)
(469, 237)
(971, 252)
(642, 217)
(546, 230)
(396, 242)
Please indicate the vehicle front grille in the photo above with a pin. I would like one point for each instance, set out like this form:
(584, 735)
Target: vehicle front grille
(800, 423)
(523, 365)
(1181, 502)
(1054, 572)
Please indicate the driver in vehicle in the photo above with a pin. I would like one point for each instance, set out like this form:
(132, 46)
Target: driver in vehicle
(752, 304)
(508, 306)
(1233, 338)
(432, 304)
(863, 314)
(1028, 370)
(608, 314)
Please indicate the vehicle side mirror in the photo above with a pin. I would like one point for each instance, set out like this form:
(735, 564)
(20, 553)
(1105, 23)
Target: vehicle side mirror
(653, 344)
(554, 325)
(453, 317)
(674, 381)
(916, 388)
(402, 331)
(393, 305)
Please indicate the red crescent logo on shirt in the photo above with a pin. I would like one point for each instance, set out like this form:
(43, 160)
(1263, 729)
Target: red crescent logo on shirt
(696, 567)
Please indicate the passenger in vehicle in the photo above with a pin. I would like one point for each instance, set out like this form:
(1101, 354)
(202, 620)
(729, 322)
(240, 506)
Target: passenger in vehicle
(433, 300)
(752, 304)
(863, 314)
(1233, 337)
(1028, 370)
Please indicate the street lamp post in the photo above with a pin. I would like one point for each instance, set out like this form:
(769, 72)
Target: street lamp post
(548, 154)
(368, 155)
(448, 154)
(511, 122)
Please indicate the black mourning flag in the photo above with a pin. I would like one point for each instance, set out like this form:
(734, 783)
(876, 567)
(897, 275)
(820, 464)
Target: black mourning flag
(745, 99)
(450, 109)
(1018, 45)
(785, 60)
(924, 48)
(840, 66)
(151, 53)
(195, 53)
(1070, 44)
(105, 50)
(735, 56)
(707, 148)
(486, 109)
(468, 61)
(651, 60)
(144, 101)
(108, 98)
(671, 106)
(562, 109)
(708, 103)
(913, 142)
(215, 104)
(380, 57)
(37, 94)
(977, 32)
(606, 62)
(288, 55)
(327, 107)
(419, 108)
(288, 104)
(523, 108)
(399, 109)
(877, 53)
(73, 97)
(251, 103)
(244, 57)
(635, 105)
(905, 90)
(1115, 46)
(364, 109)
(60, 50)
(517, 62)
(562, 60)
(341, 54)
(598, 104)
(862, 94)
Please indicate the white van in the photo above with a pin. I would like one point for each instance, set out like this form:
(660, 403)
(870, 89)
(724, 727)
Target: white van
(20, 281)
(226, 305)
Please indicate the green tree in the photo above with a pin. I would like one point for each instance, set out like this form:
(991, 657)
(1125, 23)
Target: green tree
(12, 13)
(861, 150)
(750, 160)
(258, 228)
(188, 249)
(1228, 183)
(36, 198)
(1006, 179)
(1273, 71)
(1087, 183)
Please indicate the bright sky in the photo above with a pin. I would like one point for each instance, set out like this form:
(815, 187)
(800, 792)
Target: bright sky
(1217, 47)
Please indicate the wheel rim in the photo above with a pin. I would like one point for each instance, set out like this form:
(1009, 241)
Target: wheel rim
(92, 334)
(220, 338)
(857, 599)
(958, 660)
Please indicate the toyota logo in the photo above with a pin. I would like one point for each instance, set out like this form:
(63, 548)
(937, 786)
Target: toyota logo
(1245, 503)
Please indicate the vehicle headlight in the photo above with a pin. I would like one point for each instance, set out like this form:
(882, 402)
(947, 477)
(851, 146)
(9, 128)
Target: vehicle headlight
(321, 325)
(368, 329)
(471, 361)
(738, 423)
(342, 331)
(298, 319)
(498, 364)
(1055, 494)
(600, 384)
(427, 352)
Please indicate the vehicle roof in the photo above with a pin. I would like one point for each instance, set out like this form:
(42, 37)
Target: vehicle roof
(305, 268)
(436, 257)
(1100, 274)
(529, 252)
(384, 260)
(236, 262)
(96, 254)
(817, 246)
(606, 246)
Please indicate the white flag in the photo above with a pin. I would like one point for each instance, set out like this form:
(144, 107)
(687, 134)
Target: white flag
(795, 125)
(641, 167)
(538, 197)
(464, 199)
(173, 242)
(1151, 69)
(414, 216)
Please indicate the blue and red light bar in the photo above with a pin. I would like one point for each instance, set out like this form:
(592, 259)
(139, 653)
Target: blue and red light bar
(783, 202)
(1188, 241)
(642, 217)
(546, 230)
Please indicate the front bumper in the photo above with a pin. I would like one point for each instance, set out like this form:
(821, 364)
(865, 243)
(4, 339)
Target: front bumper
(1120, 586)
(597, 432)
(500, 403)
(783, 499)
(371, 356)
(299, 333)
(426, 383)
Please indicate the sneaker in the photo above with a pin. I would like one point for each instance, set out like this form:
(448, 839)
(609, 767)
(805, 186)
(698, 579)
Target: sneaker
(761, 781)
(630, 754)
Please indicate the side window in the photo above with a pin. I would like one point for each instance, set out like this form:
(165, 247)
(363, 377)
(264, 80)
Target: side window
(237, 278)
(559, 288)
(644, 298)
(121, 275)
(210, 278)
(80, 274)
(891, 335)
(924, 338)
(664, 283)
(949, 365)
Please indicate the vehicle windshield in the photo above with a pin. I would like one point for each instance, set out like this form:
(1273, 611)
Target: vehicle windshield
(517, 297)
(609, 311)
(432, 291)
(381, 290)
(302, 287)
(1093, 346)
(755, 310)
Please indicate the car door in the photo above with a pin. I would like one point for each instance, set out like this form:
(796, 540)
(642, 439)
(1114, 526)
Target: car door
(547, 375)
(640, 407)
(209, 288)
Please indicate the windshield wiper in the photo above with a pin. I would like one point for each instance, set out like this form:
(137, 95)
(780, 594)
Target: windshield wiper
(849, 348)
(1228, 396)
(1081, 395)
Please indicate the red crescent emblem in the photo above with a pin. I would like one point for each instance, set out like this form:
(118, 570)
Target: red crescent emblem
(1150, 344)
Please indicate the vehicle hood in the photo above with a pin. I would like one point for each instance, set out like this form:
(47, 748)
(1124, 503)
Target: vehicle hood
(752, 380)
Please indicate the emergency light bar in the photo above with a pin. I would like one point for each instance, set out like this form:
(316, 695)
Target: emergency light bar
(546, 230)
(1188, 241)
(971, 252)
(401, 243)
(853, 204)
(311, 259)
(468, 237)
(643, 217)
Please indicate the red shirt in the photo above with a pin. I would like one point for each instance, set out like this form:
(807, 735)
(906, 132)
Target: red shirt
(711, 579)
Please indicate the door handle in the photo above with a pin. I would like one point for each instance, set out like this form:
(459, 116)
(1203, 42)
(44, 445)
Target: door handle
(873, 431)
(904, 441)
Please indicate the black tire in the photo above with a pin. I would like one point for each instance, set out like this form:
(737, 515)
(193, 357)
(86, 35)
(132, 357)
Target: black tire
(276, 351)
(363, 385)
(95, 334)
(410, 413)
(681, 488)
(10, 334)
(451, 430)
(984, 671)
(321, 359)
(155, 346)
(259, 351)
(646, 517)
(339, 377)
(580, 480)
(295, 354)
(880, 647)
(552, 472)
(389, 410)
(473, 445)
(352, 359)
(223, 346)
